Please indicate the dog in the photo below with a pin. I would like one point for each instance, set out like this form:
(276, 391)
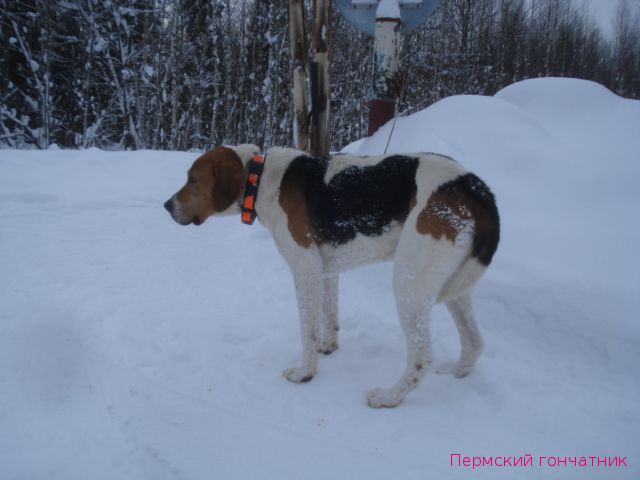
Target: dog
(436, 221)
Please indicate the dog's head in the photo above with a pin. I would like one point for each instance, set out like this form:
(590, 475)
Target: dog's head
(215, 183)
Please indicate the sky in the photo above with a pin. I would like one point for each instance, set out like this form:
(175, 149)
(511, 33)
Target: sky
(605, 11)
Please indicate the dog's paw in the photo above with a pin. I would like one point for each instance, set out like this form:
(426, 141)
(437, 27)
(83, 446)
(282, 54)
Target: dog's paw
(328, 347)
(457, 369)
(381, 397)
(298, 375)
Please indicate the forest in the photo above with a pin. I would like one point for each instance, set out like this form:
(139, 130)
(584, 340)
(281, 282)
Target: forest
(191, 74)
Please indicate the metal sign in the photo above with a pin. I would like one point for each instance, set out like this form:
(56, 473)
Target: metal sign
(362, 13)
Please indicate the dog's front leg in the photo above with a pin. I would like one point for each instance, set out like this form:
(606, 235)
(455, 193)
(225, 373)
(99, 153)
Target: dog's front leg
(309, 295)
(330, 324)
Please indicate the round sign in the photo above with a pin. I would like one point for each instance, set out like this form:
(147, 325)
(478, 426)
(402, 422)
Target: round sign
(362, 13)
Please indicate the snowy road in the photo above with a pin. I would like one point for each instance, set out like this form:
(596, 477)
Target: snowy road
(129, 348)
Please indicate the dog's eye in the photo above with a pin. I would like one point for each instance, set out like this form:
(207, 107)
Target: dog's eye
(191, 179)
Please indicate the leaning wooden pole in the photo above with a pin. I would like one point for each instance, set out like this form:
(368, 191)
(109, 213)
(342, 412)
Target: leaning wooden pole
(299, 59)
(321, 42)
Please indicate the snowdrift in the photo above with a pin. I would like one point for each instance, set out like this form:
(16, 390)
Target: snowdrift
(563, 158)
(129, 349)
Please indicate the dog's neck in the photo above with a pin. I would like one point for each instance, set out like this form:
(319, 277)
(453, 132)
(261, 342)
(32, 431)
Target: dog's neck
(253, 173)
(245, 153)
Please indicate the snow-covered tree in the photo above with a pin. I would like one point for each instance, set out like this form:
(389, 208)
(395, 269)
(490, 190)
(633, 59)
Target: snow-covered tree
(191, 74)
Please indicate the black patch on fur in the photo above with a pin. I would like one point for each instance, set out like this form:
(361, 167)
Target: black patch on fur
(361, 200)
(473, 193)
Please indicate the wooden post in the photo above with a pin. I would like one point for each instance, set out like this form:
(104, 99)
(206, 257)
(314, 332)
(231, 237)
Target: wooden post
(321, 41)
(299, 58)
(386, 67)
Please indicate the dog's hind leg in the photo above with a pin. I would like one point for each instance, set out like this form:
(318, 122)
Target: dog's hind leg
(330, 325)
(471, 342)
(415, 318)
(422, 267)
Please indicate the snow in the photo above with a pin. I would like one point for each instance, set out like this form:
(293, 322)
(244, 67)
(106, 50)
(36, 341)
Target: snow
(101, 44)
(388, 9)
(133, 348)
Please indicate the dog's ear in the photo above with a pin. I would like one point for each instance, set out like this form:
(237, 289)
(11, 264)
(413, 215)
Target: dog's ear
(228, 174)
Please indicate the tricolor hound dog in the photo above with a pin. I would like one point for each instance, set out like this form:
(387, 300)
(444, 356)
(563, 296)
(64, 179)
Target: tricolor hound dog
(438, 222)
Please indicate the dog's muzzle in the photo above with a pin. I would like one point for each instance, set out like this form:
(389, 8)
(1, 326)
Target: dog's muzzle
(169, 206)
(173, 208)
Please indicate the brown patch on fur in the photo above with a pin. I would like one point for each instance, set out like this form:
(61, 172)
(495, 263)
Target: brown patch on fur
(215, 182)
(444, 215)
(228, 178)
(456, 203)
(293, 203)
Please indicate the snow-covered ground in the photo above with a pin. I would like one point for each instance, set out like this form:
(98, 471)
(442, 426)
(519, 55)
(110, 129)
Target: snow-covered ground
(132, 348)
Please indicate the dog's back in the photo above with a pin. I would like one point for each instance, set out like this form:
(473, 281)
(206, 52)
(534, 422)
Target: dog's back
(357, 199)
(343, 202)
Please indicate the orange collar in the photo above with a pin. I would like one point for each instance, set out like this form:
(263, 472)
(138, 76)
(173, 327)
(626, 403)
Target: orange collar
(256, 166)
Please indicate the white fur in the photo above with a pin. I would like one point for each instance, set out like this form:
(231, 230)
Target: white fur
(245, 151)
(426, 271)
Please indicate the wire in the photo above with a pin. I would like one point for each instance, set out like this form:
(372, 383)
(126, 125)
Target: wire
(399, 99)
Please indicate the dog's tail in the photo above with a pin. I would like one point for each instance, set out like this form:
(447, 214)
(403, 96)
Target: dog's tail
(463, 279)
(486, 234)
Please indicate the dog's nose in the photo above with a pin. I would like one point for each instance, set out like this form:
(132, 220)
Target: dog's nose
(168, 205)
